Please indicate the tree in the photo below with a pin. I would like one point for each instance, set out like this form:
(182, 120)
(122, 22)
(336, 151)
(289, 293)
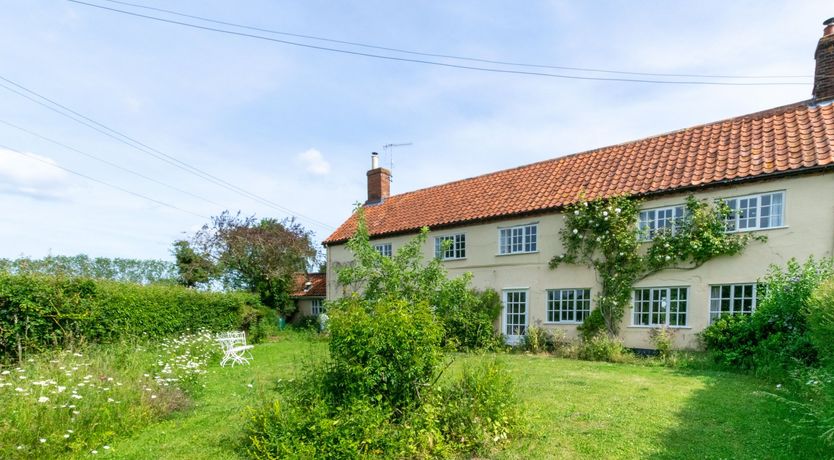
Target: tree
(193, 268)
(259, 255)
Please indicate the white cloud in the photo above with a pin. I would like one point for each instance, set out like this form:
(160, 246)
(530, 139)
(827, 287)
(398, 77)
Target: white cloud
(31, 175)
(314, 162)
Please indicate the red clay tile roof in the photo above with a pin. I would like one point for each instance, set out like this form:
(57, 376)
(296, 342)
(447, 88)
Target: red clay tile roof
(793, 138)
(317, 288)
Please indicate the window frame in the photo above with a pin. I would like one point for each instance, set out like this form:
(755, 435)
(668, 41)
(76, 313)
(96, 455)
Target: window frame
(316, 310)
(674, 222)
(528, 237)
(715, 315)
(458, 246)
(652, 312)
(573, 309)
(735, 218)
(385, 249)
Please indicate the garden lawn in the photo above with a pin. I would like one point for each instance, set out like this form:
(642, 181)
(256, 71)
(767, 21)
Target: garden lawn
(575, 409)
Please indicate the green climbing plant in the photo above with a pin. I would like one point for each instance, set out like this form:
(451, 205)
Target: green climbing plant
(603, 235)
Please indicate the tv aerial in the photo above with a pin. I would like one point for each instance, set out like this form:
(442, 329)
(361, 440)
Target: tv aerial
(389, 149)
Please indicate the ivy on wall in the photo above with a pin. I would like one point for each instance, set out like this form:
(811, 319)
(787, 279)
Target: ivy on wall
(603, 235)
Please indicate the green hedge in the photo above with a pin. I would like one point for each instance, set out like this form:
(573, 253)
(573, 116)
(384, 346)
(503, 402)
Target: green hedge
(39, 312)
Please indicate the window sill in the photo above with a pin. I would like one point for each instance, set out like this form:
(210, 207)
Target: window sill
(452, 259)
(562, 323)
(748, 230)
(516, 253)
(633, 326)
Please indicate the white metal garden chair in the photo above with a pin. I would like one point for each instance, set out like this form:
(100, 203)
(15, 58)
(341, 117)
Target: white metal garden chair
(235, 349)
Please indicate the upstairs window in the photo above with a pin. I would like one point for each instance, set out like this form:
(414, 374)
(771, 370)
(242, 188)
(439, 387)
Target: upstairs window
(755, 212)
(450, 247)
(652, 221)
(384, 249)
(518, 240)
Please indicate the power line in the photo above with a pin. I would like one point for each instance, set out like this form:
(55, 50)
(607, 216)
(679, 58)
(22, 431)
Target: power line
(107, 184)
(435, 63)
(144, 148)
(109, 163)
(447, 56)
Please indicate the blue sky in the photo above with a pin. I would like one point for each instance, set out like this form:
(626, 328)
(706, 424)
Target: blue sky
(296, 126)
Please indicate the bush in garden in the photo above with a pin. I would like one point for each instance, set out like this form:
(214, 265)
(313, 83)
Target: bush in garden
(603, 347)
(469, 316)
(776, 336)
(378, 396)
(663, 339)
(388, 351)
(821, 321)
(39, 312)
(731, 340)
(479, 409)
(537, 339)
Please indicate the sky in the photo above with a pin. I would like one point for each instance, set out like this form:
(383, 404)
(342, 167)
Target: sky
(280, 130)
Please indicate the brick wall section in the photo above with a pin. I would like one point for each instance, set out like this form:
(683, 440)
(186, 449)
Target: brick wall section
(379, 185)
(824, 75)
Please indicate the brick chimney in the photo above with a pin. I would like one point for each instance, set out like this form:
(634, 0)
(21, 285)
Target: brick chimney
(824, 75)
(379, 182)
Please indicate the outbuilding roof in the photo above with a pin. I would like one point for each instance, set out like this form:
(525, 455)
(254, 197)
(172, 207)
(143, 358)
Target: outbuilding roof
(309, 285)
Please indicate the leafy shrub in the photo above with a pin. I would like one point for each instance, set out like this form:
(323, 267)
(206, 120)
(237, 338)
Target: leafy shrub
(731, 340)
(389, 350)
(480, 409)
(307, 323)
(537, 339)
(378, 394)
(468, 318)
(287, 429)
(821, 321)
(266, 327)
(603, 347)
(776, 337)
(663, 339)
(593, 325)
(39, 312)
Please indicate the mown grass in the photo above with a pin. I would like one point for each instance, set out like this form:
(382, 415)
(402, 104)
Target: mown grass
(574, 409)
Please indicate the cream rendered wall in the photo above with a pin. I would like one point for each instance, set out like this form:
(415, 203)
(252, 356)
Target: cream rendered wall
(808, 230)
(304, 307)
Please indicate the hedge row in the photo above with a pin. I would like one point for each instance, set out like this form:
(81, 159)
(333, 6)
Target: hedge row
(39, 312)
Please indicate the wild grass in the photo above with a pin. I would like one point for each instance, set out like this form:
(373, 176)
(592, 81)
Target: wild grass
(79, 401)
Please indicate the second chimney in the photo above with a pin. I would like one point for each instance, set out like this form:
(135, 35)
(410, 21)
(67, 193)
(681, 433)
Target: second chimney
(824, 75)
(379, 182)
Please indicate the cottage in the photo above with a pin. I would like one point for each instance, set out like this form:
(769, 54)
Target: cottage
(308, 294)
(775, 168)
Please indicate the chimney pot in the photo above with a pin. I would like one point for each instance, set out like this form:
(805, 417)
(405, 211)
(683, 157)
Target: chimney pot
(379, 181)
(824, 55)
(829, 27)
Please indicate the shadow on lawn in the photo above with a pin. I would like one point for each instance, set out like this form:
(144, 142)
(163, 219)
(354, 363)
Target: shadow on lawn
(733, 417)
